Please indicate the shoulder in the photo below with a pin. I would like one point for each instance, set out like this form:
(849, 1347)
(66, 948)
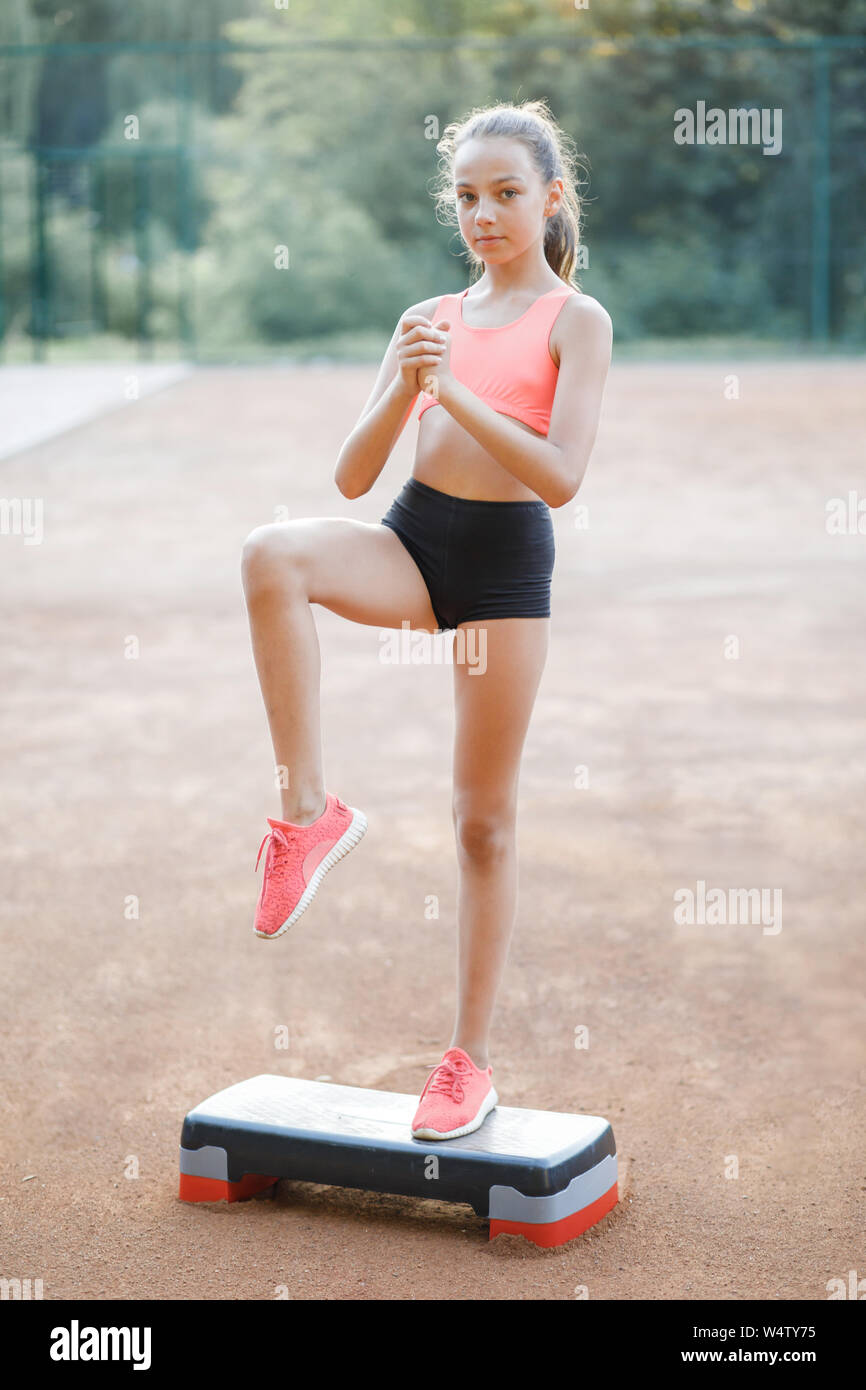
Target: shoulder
(582, 323)
(582, 309)
(427, 307)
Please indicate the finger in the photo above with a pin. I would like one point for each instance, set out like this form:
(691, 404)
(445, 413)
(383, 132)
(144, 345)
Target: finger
(411, 321)
(425, 330)
(413, 349)
(431, 359)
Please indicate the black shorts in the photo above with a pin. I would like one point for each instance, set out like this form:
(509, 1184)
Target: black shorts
(479, 559)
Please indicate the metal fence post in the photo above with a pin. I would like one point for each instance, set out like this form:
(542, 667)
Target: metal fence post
(821, 194)
(39, 286)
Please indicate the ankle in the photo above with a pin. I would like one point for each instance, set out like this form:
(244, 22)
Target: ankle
(479, 1055)
(305, 810)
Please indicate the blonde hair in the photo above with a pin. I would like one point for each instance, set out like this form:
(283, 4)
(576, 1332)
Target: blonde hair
(553, 154)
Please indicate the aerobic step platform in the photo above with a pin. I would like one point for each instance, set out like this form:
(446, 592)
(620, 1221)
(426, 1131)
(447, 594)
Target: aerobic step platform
(541, 1174)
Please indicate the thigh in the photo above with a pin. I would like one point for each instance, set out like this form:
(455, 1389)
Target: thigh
(360, 570)
(492, 710)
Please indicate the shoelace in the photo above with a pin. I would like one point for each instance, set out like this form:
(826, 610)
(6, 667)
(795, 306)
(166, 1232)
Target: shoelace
(449, 1078)
(274, 862)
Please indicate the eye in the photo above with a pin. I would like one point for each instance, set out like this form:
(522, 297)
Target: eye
(461, 196)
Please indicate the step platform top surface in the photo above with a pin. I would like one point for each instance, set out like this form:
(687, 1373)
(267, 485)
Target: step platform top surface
(297, 1106)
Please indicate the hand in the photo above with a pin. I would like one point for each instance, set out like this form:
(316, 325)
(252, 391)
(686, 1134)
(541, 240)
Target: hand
(419, 349)
(431, 378)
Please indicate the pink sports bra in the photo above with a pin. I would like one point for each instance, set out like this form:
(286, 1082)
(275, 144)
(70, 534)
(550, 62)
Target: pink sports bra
(508, 366)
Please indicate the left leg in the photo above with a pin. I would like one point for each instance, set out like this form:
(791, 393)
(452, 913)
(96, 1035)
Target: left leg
(492, 711)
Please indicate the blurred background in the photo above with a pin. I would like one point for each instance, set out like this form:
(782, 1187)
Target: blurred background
(211, 216)
(154, 157)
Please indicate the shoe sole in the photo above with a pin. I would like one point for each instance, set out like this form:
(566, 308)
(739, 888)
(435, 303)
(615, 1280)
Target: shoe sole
(347, 841)
(490, 1100)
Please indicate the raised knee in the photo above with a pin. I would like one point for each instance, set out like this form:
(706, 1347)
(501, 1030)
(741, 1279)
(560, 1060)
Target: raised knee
(483, 835)
(268, 556)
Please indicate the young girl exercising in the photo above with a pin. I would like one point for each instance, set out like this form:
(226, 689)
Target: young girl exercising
(512, 373)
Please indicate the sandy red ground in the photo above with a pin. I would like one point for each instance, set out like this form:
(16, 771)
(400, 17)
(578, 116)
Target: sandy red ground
(152, 777)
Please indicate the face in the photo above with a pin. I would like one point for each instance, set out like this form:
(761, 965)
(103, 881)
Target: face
(503, 204)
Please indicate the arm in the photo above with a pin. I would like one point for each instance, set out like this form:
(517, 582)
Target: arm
(381, 422)
(553, 466)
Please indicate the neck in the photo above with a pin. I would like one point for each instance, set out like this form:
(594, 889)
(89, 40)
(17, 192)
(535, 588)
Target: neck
(527, 274)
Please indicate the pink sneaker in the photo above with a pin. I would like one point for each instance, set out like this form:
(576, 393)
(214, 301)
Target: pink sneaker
(297, 860)
(457, 1097)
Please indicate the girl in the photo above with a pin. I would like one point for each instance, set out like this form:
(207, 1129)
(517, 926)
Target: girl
(512, 373)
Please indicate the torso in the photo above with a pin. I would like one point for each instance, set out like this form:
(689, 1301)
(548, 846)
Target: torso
(446, 455)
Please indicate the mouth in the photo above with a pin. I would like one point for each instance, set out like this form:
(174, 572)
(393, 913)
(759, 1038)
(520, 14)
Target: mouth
(486, 240)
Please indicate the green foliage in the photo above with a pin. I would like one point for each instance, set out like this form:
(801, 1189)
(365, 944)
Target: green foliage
(683, 288)
(317, 139)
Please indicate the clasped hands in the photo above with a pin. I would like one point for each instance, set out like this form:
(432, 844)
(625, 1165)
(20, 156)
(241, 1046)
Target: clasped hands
(424, 354)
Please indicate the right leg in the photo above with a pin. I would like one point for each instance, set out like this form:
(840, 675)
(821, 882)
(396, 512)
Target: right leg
(358, 569)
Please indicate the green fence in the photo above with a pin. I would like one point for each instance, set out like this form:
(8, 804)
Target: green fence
(116, 235)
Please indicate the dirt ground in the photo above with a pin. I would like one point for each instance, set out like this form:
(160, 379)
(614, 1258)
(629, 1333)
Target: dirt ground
(707, 668)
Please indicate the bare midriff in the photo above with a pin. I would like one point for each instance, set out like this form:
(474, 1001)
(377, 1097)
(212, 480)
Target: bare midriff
(448, 458)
